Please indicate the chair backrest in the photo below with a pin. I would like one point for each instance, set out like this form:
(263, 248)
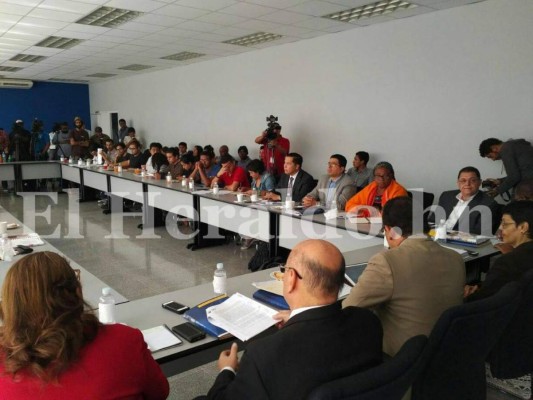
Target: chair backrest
(388, 381)
(421, 216)
(512, 356)
(459, 345)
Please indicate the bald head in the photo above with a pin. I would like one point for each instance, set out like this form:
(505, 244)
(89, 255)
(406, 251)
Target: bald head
(322, 266)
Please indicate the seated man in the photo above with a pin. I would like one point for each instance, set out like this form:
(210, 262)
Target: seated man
(317, 343)
(410, 285)
(468, 209)
(334, 189)
(295, 181)
(230, 176)
(205, 169)
(109, 154)
(360, 173)
(187, 166)
(174, 164)
(154, 148)
(135, 155)
(122, 156)
(377, 193)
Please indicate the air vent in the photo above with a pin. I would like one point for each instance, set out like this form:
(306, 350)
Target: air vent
(68, 80)
(27, 58)
(109, 17)
(184, 55)
(15, 84)
(57, 42)
(136, 67)
(370, 10)
(10, 69)
(101, 75)
(253, 39)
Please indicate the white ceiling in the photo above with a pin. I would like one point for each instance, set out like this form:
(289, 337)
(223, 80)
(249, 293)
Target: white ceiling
(167, 27)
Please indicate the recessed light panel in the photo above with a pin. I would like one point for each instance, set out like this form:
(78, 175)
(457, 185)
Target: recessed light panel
(184, 55)
(370, 10)
(10, 69)
(27, 58)
(101, 75)
(57, 42)
(109, 17)
(254, 39)
(136, 67)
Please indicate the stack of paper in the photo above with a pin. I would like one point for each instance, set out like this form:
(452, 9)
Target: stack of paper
(159, 338)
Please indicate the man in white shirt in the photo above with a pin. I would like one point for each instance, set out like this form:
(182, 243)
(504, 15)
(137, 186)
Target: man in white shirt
(468, 209)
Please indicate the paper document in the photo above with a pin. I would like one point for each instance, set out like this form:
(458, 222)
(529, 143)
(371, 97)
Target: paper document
(30, 240)
(272, 286)
(460, 251)
(159, 338)
(241, 316)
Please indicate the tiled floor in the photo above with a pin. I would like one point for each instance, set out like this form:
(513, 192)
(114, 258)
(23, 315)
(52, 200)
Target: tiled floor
(134, 265)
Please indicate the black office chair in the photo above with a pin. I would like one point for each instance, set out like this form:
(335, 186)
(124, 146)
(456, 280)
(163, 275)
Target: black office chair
(459, 345)
(512, 356)
(388, 381)
(427, 201)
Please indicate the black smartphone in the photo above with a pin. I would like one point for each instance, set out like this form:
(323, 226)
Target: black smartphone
(189, 332)
(175, 307)
(21, 249)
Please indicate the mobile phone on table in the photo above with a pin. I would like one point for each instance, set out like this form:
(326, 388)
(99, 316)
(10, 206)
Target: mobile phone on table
(189, 332)
(175, 307)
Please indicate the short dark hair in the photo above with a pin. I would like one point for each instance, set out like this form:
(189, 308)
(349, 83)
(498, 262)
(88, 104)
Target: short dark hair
(341, 159)
(157, 145)
(296, 158)
(187, 158)
(131, 129)
(158, 160)
(256, 166)
(485, 146)
(122, 120)
(175, 152)
(363, 156)
(521, 211)
(226, 158)
(469, 169)
(109, 140)
(243, 148)
(387, 166)
(398, 213)
(121, 145)
(98, 129)
(182, 144)
(134, 142)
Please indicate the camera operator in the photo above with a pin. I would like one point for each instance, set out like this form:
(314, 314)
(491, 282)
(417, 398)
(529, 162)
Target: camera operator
(274, 147)
(20, 140)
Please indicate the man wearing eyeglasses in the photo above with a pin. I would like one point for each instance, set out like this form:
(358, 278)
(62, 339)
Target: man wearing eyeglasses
(317, 342)
(468, 209)
(334, 189)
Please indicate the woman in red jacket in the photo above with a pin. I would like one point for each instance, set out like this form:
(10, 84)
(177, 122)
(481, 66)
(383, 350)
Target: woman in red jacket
(52, 348)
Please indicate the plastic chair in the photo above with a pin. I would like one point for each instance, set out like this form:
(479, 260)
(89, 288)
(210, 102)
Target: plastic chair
(388, 381)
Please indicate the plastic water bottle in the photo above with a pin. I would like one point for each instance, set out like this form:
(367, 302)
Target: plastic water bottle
(106, 307)
(169, 177)
(440, 231)
(6, 248)
(183, 181)
(219, 279)
(289, 196)
(215, 188)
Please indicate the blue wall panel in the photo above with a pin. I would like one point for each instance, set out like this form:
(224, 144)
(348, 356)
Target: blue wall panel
(47, 101)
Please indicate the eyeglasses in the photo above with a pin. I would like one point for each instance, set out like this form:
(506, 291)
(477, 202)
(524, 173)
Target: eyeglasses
(282, 269)
(465, 181)
(376, 176)
(504, 224)
(132, 148)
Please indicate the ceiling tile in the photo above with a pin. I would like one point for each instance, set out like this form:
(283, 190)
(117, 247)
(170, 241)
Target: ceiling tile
(248, 10)
(42, 22)
(284, 17)
(136, 5)
(44, 51)
(199, 26)
(276, 3)
(75, 35)
(234, 32)
(54, 15)
(31, 30)
(317, 8)
(221, 19)
(411, 12)
(97, 30)
(30, 3)
(9, 18)
(137, 27)
(211, 5)
(180, 11)
(68, 6)
(213, 37)
(352, 3)
(15, 9)
(320, 23)
(257, 25)
(160, 20)
(176, 32)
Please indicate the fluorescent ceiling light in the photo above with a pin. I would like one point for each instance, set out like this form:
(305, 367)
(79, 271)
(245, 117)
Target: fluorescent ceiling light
(101, 75)
(184, 55)
(253, 39)
(27, 58)
(109, 17)
(370, 10)
(136, 67)
(10, 69)
(58, 42)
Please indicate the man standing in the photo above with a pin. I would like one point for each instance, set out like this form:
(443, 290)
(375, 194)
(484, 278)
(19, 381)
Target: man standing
(468, 209)
(274, 148)
(20, 141)
(334, 189)
(79, 139)
(123, 130)
(517, 158)
(360, 173)
(295, 181)
(63, 142)
(410, 285)
(318, 341)
(98, 140)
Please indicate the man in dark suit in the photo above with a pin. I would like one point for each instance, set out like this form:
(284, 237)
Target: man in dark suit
(468, 209)
(318, 341)
(294, 180)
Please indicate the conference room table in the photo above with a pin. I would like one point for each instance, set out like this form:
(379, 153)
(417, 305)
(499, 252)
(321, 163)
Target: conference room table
(91, 285)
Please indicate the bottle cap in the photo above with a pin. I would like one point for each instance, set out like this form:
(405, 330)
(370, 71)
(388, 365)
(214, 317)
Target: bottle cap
(220, 265)
(106, 291)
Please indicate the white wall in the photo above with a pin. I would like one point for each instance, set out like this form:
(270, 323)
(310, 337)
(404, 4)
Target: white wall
(420, 92)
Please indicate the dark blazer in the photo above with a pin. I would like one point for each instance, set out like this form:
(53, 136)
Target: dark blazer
(302, 185)
(448, 200)
(507, 268)
(314, 347)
